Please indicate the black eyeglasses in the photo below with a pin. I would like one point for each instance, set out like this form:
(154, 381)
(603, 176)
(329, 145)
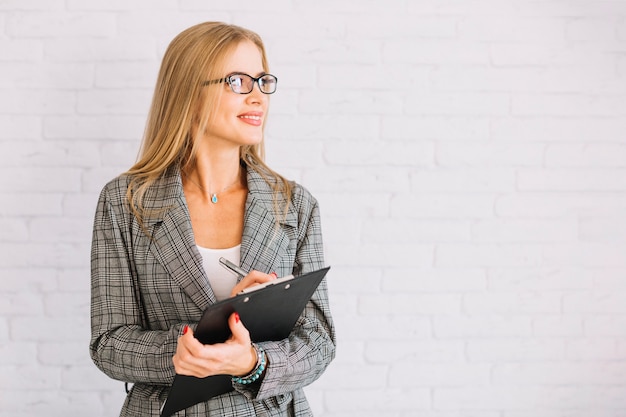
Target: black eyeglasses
(242, 83)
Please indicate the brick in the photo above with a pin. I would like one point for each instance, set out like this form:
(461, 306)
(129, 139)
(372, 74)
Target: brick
(14, 230)
(591, 30)
(388, 179)
(587, 155)
(409, 304)
(562, 105)
(571, 180)
(384, 327)
(382, 401)
(49, 329)
(55, 24)
(324, 127)
(456, 104)
(35, 75)
(393, 26)
(29, 280)
(441, 205)
(415, 351)
(349, 203)
(114, 102)
(132, 75)
(558, 326)
(437, 374)
(440, 128)
(559, 373)
(110, 127)
(593, 349)
(32, 5)
(326, 51)
(19, 50)
(101, 50)
(541, 278)
(383, 80)
(407, 231)
(54, 402)
(548, 129)
(75, 280)
(363, 378)
(512, 29)
(546, 204)
(512, 303)
(37, 102)
(601, 302)
(48, 154)
(29, 377)
(466, 180)
(482, 155)
(372, 254)
(350, 102)
(496, 350)
(436, 52)
(525, 230)
(50, 180)
(120, 155)
(31, 204)
(17, 354)
(481, 326)
(605, 229)
(383, 154)
(21, 304)
(423, 280)
(313, 24)
(482, 255)
(585, 254)
(121, 5)
(20, 128)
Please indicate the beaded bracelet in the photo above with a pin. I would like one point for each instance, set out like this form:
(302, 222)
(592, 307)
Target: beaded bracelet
(258, 369)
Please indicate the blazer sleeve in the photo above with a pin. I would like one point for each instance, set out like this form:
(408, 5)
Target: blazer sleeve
(301, 358)
(120, 345)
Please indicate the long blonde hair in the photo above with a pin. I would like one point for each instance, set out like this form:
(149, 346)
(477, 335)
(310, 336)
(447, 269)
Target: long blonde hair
(170, 130)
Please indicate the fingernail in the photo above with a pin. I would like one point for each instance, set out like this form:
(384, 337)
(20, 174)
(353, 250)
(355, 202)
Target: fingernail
(237, 318)
(274, 274)
(185, 329)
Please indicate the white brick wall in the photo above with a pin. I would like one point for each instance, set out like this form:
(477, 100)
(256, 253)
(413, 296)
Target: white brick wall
(469, 156)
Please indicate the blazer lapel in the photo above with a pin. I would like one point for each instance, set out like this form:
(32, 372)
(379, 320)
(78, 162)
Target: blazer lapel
(173, 242)
(265, 243)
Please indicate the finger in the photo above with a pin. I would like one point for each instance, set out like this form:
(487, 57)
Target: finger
(252, 279)
(239, 332)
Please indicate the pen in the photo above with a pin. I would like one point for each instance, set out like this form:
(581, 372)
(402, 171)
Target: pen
(232, 267)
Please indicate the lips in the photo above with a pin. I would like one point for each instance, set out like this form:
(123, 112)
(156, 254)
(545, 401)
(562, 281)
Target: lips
(252, 118)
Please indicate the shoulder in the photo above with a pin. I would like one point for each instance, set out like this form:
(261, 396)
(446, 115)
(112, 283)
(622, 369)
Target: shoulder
(114, 191)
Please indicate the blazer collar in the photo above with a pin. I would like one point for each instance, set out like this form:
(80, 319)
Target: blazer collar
(173, 243)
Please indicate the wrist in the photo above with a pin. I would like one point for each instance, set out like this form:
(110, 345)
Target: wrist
(257, 370)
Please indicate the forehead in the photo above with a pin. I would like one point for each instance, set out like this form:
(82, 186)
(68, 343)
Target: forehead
(246, 57)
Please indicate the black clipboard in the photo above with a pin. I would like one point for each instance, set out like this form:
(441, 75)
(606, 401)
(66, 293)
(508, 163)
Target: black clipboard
(268, 313)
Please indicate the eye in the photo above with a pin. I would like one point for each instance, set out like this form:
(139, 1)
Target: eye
(235, 80)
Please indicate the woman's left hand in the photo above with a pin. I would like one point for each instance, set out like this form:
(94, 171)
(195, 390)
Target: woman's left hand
(236, 356)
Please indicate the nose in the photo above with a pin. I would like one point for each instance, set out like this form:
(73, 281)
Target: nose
(256, 96)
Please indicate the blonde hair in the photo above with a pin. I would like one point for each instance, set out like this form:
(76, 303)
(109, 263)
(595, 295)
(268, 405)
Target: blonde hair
(170, 129)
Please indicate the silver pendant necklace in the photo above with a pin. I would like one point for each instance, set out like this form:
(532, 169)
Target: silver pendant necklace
(214, 198)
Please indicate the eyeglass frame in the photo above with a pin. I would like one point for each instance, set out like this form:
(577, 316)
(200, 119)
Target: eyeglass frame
(254, 80)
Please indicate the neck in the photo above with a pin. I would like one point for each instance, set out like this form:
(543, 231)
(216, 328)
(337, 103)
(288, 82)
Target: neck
(214, 172)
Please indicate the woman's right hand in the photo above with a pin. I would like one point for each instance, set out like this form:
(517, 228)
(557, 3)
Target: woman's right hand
(252, 279)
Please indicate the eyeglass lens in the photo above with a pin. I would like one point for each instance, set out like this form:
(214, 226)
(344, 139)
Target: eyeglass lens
(243, 83)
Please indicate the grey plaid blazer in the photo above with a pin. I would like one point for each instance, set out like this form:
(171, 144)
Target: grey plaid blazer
(144, 290)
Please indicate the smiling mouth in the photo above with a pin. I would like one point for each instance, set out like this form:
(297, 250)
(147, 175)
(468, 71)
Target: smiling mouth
(258, 118)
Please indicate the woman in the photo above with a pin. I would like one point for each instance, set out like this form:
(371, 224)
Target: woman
(200, 190)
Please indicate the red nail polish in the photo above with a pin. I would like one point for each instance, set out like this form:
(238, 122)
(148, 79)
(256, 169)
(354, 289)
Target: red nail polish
(185, 329)
(274, 274)
(237, 318)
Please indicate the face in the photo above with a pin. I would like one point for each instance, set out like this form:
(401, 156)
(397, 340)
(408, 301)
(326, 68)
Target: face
(238, 118)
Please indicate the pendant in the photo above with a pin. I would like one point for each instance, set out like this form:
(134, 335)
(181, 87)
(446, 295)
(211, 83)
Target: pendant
(214, 198)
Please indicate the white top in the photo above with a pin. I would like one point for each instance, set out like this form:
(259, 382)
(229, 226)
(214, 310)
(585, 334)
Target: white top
(221, 279)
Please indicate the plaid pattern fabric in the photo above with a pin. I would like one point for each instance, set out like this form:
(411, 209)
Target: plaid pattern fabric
(145, 289)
